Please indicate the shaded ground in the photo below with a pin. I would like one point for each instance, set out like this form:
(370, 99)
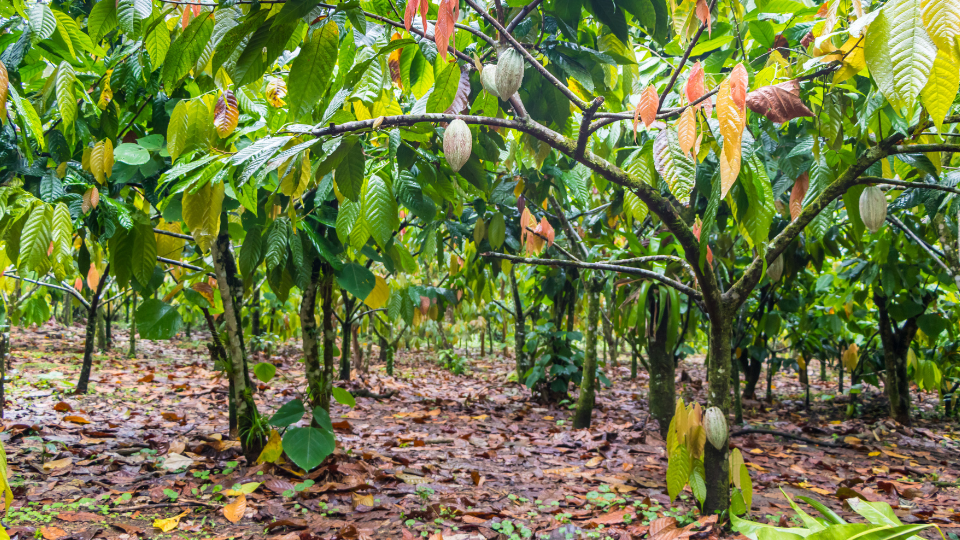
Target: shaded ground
(465, 457)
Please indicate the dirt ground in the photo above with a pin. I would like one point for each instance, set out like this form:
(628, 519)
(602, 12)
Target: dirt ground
(446, 456)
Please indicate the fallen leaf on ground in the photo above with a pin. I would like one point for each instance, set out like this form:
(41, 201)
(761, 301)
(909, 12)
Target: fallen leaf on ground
(234, 511)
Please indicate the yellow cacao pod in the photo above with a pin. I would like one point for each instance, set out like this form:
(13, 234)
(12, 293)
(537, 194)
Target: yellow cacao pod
(457, 144)
(873, 208)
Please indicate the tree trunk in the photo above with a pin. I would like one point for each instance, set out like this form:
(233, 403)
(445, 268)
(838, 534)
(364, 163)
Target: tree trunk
(588, 384)
(101, 331)
(132, 317)
(109, 326)
(84, 380)
(896, 343)
(356, 350)
(231, 289)
(482, 344)
(255, 328)
(715, 461)
(661, 396)
(328, 333)
(220, 361)
(346, 332)
(519, 329)
(311, 346)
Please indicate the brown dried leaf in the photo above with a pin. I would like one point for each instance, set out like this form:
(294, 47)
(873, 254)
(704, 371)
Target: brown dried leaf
(226, 115)
(661, 525)
(779, 102)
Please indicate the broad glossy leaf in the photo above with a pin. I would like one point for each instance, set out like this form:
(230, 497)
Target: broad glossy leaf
(312, 70)
(675, 167)
(899, 52)
(157, 320)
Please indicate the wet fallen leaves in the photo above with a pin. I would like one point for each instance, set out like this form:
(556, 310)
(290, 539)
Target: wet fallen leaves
(454, 457)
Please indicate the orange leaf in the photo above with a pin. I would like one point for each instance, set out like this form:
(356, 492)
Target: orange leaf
(731, 127)
(205, 290)
(63, 407)
(687, 130)
(393, 62)
(76, 420)
(409, 13)
(546, 230)
(93, 277)
(4, 84)
(234, 511)
(703, 13)
(647, 106)
(226, 114)
(695, 83)
(78, 285)
(612, 518)
(90, 200)
(797, 194)
(662, 525)
(444, 29)
(739, 80)
(52, 533)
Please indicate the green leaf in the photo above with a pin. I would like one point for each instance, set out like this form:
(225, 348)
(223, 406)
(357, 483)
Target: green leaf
(322, 418)
(497, 230)
(102, 19)
(42, 21)
(380, 210)
(293, 10)
(290, 413)
(185, 51)
(157, 41)
(265, 371)
(307, 447)
(347, 217)
(157, 320)
(899, 52)
(129, 18)
(938, 94)
(444, 89)
(343, 397)
(30, 117)
(878, 513)
(675, 167)
(698, 483)
(829, 514)
(349, 174)
(66, 95)
(177, 129)
(612, 17)
(261, 50)
(251, 252)
(143, 260)
(746, 485)
(131, 154)
(678, 471)
(756, 219)
(762, 530)
(276, 249)
(942, 20)
(312, 70)
(62, 238)
(35, 240)
(356, 280)
(851, 201)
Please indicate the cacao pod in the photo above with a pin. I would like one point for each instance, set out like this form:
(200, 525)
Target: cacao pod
(457, 144)
(715, 424)
(873, 208)
(775, 270)
(509, 74)
(488, 78)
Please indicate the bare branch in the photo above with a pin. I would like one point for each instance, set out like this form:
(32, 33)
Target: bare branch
(173, 234)
(909, 185)
(523, 14)
(693, 293)
(585, 126)
(920, 148)
(70, 290)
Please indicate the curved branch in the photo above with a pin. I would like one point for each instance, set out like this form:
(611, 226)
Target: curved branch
(70, 290)
(689, 291)
(582, 105)
(908, 185)
(523, 14)
(585, 126)
(920, 242)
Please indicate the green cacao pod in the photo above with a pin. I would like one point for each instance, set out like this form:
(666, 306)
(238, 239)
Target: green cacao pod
(873, 208)
(457, 144)
(775, 270)
(488, 78)
(509, 74)
(715, 424)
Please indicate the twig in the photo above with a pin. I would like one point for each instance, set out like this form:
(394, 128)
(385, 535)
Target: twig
(167, 505)
(173, 234)
(523, 13)
(70, 290)
(683, 60)
(585, 127)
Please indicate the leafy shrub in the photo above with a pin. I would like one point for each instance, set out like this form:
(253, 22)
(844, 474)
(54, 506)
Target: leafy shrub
(452, 362)
(558, 362)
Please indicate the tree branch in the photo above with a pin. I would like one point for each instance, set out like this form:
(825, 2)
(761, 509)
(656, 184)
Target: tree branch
(582, 105)
(909, 185)
(568, 229)
(599, 266)
(922, 243)
(585, 126)
(523, 14)
(920, 148)
(173, 234)
(686, 55)
(73, 292)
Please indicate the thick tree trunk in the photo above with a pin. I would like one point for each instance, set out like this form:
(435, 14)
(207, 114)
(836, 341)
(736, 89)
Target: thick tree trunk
(718, 395)
(311, 345)
(132, 317)
(328, 333)
(519, 329)
(231, 288)
(101, 331)
(588, 384)
(661, 398)
(220, 361)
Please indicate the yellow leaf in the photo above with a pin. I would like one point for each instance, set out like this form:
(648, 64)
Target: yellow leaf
(169, 524)
(938, 94)
(245, 489)
(687, 130)
(169, 247)
(234, 511)
(873, 454)
(273, 449)
(96, 162)
(107, 158)
(731, 127)
(379, 295)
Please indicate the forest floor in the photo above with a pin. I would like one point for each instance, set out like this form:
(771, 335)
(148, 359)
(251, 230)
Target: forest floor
(451, 457)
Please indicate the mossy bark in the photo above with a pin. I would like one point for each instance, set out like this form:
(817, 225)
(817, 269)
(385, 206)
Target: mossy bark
(311, 343)
(328, 333)
(519, 329)
(231, 289)
(588, 384)
(346, 334)
(896, 345)
(716, 461)
(661, 396)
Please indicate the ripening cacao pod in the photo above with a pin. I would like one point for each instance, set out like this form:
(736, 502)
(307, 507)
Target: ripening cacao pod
(873, 208)
(715, 424)
(509, 74)
(457, 144)
(488, 78)
(775, 270)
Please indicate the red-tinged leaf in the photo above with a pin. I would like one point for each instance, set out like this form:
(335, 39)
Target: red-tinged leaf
(4, 85)
(444, 29)
(648, 105)
(461, 100)
(687, 130)
(226, 115)
(545, 230)
(695, 83)
(703, 13)
(739, 82)
(424, 9)
(799, 191)
(409, 13)
(63, 407)
(611, 518)
(780, 102)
